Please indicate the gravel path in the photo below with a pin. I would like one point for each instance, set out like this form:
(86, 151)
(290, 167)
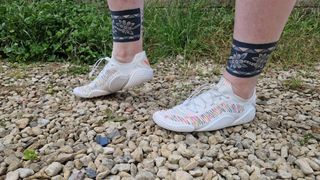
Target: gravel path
(39, 112)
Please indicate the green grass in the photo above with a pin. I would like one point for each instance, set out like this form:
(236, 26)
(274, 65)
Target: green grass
(190, 32)
(30, 154)
(305, 139)
(78, 69)
(294, 83)
(17, 74)
(110, 116)
(2, 123)
(300, 42)
(193, 29)
(197, 32)
(50, 89)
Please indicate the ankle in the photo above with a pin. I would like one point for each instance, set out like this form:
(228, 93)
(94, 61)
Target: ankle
(123, 56)
(242, 87)
(125, 52)
(243, 92)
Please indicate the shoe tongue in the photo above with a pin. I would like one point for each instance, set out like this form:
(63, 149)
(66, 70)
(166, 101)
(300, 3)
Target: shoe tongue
(224, 86)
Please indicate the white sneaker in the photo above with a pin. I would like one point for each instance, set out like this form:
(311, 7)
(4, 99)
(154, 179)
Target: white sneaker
(116, 76)
(214, 109)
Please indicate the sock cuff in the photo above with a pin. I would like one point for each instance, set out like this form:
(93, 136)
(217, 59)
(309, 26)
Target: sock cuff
(134, 12)
(253, 46)
(248, 60)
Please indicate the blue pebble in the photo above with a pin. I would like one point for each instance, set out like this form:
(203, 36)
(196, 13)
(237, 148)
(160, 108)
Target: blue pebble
(91, 173)
(103, 141)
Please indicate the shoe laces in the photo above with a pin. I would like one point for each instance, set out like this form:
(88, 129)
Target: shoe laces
(202, 97)
(99, 78)
(96, 65)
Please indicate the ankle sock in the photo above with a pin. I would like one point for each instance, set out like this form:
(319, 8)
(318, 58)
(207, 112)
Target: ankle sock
(126, 25)
(248, 60)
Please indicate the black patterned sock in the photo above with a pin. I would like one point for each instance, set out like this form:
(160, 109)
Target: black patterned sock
(248, 60)
(126, 25)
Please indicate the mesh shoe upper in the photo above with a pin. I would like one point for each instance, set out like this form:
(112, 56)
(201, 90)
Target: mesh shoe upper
(115, 76)
(202, 108)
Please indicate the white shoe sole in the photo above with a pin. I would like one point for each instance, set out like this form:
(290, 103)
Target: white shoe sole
(93, 94)
(222, 122)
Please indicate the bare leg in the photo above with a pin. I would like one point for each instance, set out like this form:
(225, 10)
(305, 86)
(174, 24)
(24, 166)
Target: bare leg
(125, 51)
(257, 22)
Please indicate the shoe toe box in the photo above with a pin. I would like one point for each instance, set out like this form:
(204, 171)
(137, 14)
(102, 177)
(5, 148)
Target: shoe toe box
(88, 92)
(81, 92)
(162, 119)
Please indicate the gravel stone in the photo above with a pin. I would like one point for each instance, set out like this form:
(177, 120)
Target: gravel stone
(22, 123)
(53, 169)
(174, 159)
(114, 177)
(182, 175)
(313, 164)
(12, 175)
(137, 154)
(297, 173)
(172, 166)
(13, 162)
(25, 172)
(190, 139)
(196, 172)
(42, 122)
(102, 175)
(261, 154)
(77, 175)
(63, 157)
(256, 175)
(191, 165)
(91, 173)
(220, 165)
(36, 130)
(284, 151)
(284, 174)
(2, 147)
(185, 152)
(251, 136)
(243, 174)
(108, 150)
(160, 161)
(304, 166)
(162, 172)
(227, 174)
(120, 167)
(144, 175)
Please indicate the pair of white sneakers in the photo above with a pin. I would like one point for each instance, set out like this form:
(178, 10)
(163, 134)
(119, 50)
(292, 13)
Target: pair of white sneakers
(209, 108)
